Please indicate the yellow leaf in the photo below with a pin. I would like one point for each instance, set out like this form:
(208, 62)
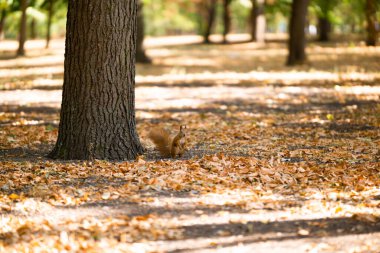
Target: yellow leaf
(338, 209)
(14, 196)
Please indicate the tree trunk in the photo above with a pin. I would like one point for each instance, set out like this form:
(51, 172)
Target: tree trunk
(324, 27)
(353, 28)
(210, 18)
(49, 21)
(98, 101)
(33, 32)
(297, 37)
(226, 19)
(2, 23)
(372, 34)
(22, 31)
(258, 21)
(140, 52)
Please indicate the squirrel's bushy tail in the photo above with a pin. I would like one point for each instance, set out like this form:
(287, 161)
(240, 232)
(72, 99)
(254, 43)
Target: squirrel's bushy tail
(162, 140)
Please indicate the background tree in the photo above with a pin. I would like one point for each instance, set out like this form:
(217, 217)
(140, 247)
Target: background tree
(209, 7)
(98, 105)
(297, 36)
(226, 19)
(372, 33)
(49, 6)
(22, 29)
(324, 11)
(140, 52)
(4, 9)
(258, 21)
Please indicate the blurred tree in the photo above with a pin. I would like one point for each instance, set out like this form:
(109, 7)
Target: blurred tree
(210, 12)
(32, 29)
(4, 8)
(22, 29)
(324, 10)
(372, 33)
(98, 101)
(226, 19)
(297, 36)
(50, 12)
(51, 7)
(141, 56)
(258, 21)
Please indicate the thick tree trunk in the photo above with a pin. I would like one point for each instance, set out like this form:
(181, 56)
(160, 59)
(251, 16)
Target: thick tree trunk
(324, 27)
(2, 23)
(210, 18)
(372, 34)
(49, 21)
(140, 52)
(258, 21)
(297, 37)
(226, 19)
(22, 31)
(98, 104)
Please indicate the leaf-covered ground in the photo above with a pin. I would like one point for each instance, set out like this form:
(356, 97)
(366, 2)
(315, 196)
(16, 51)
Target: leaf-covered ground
(280, 160)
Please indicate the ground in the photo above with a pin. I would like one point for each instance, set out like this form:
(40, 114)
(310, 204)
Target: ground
(280, 159)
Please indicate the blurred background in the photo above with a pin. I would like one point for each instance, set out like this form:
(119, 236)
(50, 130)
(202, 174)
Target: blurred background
(202, 43)
(326, 19)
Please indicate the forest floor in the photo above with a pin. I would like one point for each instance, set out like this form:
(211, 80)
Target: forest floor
(281, 159)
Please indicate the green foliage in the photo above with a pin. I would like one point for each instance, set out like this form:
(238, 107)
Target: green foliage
(353, 22)
(240, 11)
(170, 17)
(37, 11)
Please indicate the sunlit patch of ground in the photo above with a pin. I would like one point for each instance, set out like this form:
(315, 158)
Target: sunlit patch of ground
(182, 60)
(280, 159)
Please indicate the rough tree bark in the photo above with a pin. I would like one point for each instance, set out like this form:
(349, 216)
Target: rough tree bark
(49, 22)
(140, 52)
(22, 31)
(210, 18)
(98, 101)
(226, 19)
(372, 33)
(297, 36)
(258, 21)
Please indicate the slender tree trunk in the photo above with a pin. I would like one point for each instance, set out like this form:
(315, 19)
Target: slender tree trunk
(258, 21)
(140, 52)
(372, 34)
(353, 28)
(226, 19)
(22, 31)
(2, 23)
(210, 18)
(33, 32)
(324, 27)
(98, 104)
(49, 22)
(297, 37)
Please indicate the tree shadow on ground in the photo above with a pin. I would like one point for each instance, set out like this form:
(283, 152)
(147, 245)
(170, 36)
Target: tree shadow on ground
(228, 234)
(254, 232)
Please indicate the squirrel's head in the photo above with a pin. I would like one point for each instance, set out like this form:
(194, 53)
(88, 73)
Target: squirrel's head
(182, 129)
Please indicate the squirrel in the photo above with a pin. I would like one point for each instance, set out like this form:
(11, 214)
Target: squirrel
(169, 146)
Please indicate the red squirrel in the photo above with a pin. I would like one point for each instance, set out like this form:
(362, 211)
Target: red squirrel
(169, 146)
